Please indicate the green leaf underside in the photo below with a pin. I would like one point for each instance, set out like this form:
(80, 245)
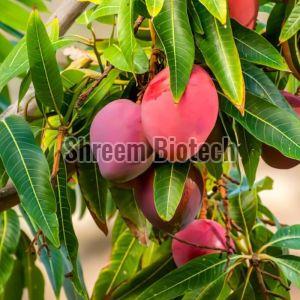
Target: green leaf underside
(221, 55)
(173, 28)
(27, 167)
(169, 182)
(43, 66)
(269, 124)
(218, 8)
(154, 7)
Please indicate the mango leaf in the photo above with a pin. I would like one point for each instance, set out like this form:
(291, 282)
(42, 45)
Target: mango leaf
(250, 151)
(6, 47)
(194, 17)
(9, 238)
(269, 124)
(196, 274)
(174, 30)
(260, 85)
(15, 64)
(15, 285)
(221, 55)
(292, 24)
(27, 167)
(144, 278)
(3, 175)
(130, 212)
(217, 8)
(154, 7)
(256, 49)
(13, 14)
(169, 183)
(155, 252)
(124, 263)
(243, 209)
(67, 234)
(285, 237)
(38, 4)
(33, 277)
(290, 266)
(105, 8)
(128, 43)
(94, 189)
(43, 66)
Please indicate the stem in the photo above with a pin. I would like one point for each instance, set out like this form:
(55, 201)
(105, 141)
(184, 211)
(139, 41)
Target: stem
(96, 50)
(203, 213)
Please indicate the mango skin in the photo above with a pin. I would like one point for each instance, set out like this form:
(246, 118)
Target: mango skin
(187, 209)
(206, 233)
(244, 11)
(272, 156)
(193, 117)
(119, 122)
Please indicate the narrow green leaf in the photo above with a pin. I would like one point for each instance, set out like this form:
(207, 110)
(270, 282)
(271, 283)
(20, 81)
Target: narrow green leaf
(174, 30)
(169, 182)
(128, 43)
(6, 47)
(33, 278)
(43, 66)
(194, 17)
(250, 151)
(66, 231)
(260, 85)
(13, 14)
(256, 49)
(38, 4)
(196, 274)
(124, 263)
(218, 8)
(269, 124)
(3, 175)
(221, 55)
(292, 24)
(27, 167)
(130, 212)
(9, 238)
(94, 189)
(285, 237)
(290, 266)
(154, 7)
(105, 8)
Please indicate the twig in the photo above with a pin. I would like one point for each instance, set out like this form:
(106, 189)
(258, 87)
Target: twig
(138, 23)
(203, 212)
(98, 56)
(277, 278)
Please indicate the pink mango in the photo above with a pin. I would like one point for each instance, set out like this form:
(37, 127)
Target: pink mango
(118, 141)
(187, 209)
(244, 11)
(177, 131)
(206, 233)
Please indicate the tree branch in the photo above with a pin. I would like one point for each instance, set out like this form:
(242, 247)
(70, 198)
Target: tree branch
(66, 13)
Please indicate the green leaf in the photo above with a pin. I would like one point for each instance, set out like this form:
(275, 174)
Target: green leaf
(27, 167)
(67, 234)
(13, 14)
(6, 47)
(194, 17)
(3, 175)
(169, 183)
(196, 274)
(285, 237)
(292, 24)
(290, 266)
(174, 30)
(123, 265)
(221, 55)
(43, 66)
(260, 85)
(218, 8)
(250, 151)
(142, 280)
(243, 209)
(133, 52)
(269, 124)
(256, 49)
(130, 212)
(33, 278)
(105, 8)
(15, 64)
(94, 189)
(154, 7)
(38, 4)
(9, 238)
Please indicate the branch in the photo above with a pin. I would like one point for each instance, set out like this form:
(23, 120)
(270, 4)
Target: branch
(66, 13)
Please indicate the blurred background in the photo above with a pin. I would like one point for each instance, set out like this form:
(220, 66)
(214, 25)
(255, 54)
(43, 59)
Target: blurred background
(95, 247)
